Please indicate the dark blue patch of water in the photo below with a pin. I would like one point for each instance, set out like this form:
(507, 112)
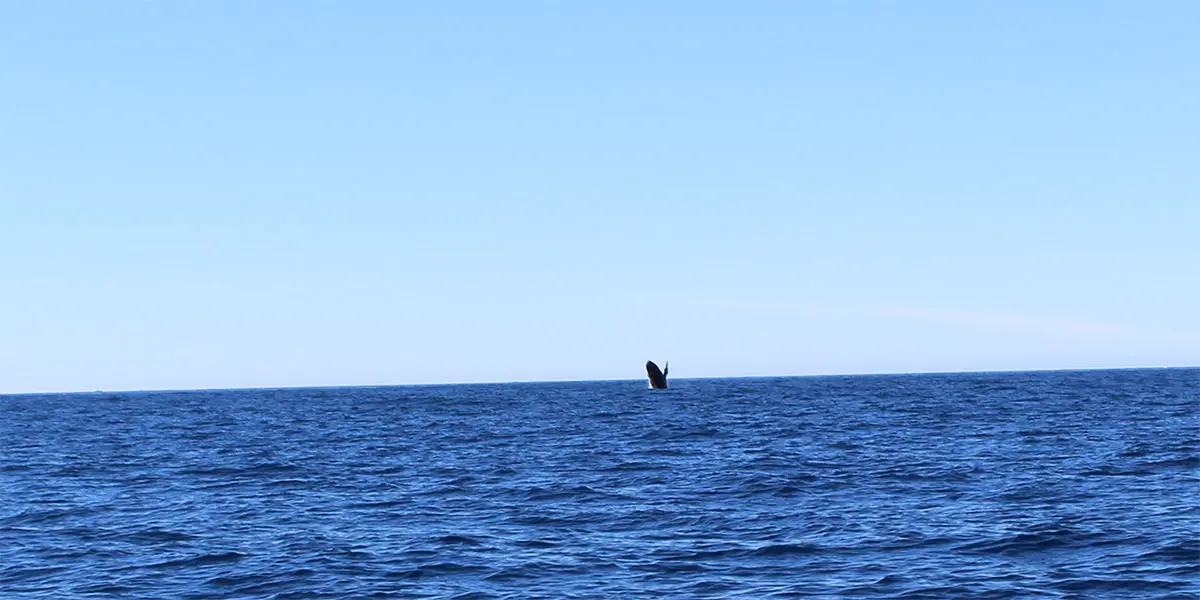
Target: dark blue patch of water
(1010, 485)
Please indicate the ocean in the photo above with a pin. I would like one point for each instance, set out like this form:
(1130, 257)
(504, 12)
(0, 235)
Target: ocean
(1063, 484)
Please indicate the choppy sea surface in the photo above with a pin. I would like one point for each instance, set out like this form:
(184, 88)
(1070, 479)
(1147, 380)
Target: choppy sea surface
(1008, 485)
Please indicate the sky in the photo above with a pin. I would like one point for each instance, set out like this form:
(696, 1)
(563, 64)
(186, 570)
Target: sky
(218, 193)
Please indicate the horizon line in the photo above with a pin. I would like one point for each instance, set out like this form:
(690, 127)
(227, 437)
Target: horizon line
(612, 379)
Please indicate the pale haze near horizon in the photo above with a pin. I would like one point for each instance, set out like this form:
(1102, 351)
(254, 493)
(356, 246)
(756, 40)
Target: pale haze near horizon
(231, 194)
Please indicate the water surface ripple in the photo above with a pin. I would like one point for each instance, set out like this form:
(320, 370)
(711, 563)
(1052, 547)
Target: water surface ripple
(1014, 485)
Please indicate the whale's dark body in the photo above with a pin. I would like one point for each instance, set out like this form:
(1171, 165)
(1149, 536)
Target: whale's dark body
(658, 379)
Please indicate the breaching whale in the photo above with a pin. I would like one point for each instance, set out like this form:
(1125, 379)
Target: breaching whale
(658, 379)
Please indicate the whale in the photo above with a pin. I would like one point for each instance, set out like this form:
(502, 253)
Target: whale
(658, 379)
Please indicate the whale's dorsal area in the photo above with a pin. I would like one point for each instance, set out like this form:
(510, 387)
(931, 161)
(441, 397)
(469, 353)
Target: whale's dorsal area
(658, 379)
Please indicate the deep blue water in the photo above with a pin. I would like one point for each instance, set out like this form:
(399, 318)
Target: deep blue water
(1016, 485)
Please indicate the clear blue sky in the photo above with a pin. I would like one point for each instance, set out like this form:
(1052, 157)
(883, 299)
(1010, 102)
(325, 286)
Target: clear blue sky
(229, 193)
